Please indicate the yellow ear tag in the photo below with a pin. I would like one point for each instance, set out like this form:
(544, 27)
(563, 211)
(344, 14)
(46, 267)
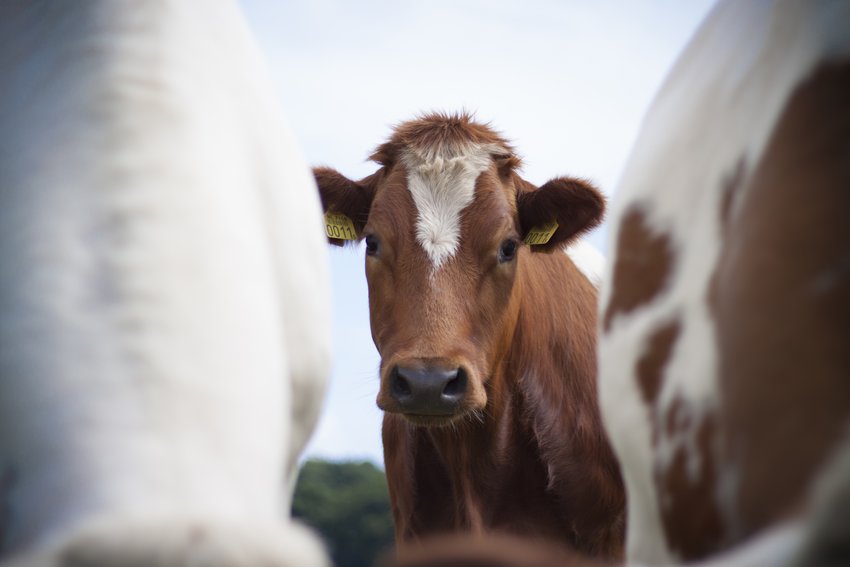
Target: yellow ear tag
(337, 225)
(541, 234)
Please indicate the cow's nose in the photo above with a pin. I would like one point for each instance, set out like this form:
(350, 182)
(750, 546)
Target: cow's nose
(428, 391)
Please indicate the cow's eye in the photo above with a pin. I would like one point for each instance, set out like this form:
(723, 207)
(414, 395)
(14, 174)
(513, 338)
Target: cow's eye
(371, 245)
(507, 251)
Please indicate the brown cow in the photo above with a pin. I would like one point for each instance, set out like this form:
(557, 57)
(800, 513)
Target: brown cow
(488, 355)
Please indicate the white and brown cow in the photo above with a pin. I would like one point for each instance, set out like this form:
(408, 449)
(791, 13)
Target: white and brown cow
(725, 345)
(725, 310)
(488, 351)
(162, 344)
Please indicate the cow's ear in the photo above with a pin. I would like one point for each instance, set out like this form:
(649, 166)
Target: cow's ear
(575, 205)
(346, 204)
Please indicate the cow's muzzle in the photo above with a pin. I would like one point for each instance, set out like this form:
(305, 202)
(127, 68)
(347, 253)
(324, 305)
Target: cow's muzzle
(428, 391)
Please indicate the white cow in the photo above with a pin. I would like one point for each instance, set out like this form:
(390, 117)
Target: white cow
(163, 294)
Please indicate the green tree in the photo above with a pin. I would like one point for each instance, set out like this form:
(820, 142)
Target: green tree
(348, 504)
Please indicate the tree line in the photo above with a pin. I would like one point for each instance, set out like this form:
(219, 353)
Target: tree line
(348, 504)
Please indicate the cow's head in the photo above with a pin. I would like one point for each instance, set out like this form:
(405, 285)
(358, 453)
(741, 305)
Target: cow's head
(444, 220)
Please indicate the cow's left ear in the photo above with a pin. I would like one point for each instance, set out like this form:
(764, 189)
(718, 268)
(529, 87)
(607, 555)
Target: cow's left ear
(574, 204)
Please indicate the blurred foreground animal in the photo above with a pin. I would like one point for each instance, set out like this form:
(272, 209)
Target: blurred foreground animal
(163, 294)
(725, 310)
(487, 342)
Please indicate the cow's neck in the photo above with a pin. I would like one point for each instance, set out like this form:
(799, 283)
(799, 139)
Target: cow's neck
(538, 395)
(552, 360)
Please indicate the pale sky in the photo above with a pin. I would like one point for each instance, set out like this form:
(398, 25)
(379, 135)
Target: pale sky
(567, 81)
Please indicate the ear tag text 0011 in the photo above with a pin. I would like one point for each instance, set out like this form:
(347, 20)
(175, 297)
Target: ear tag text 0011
(540, 234)
(339, 226)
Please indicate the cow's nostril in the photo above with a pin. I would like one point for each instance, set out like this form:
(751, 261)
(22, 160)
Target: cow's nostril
(456, 387)
(399, 385)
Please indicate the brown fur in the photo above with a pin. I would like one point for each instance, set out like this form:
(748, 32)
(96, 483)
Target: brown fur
(526, 452)
(643, 272)
(444, 132)
(689, 515)
(340, 193)
(651, 365)
(781, 300)
(538, 462)
(562, 200)
(495, 550)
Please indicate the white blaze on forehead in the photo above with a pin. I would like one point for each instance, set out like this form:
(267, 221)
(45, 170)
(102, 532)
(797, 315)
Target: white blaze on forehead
(443, 185)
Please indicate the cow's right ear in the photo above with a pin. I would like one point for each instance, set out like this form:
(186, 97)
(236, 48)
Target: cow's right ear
(346, 204)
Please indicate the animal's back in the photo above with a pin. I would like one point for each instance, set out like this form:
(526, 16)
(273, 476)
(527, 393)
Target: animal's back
(722, 379)
(159, 329)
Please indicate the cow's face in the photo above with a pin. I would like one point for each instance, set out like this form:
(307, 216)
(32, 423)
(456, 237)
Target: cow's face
(444, 230)
(441, 270)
